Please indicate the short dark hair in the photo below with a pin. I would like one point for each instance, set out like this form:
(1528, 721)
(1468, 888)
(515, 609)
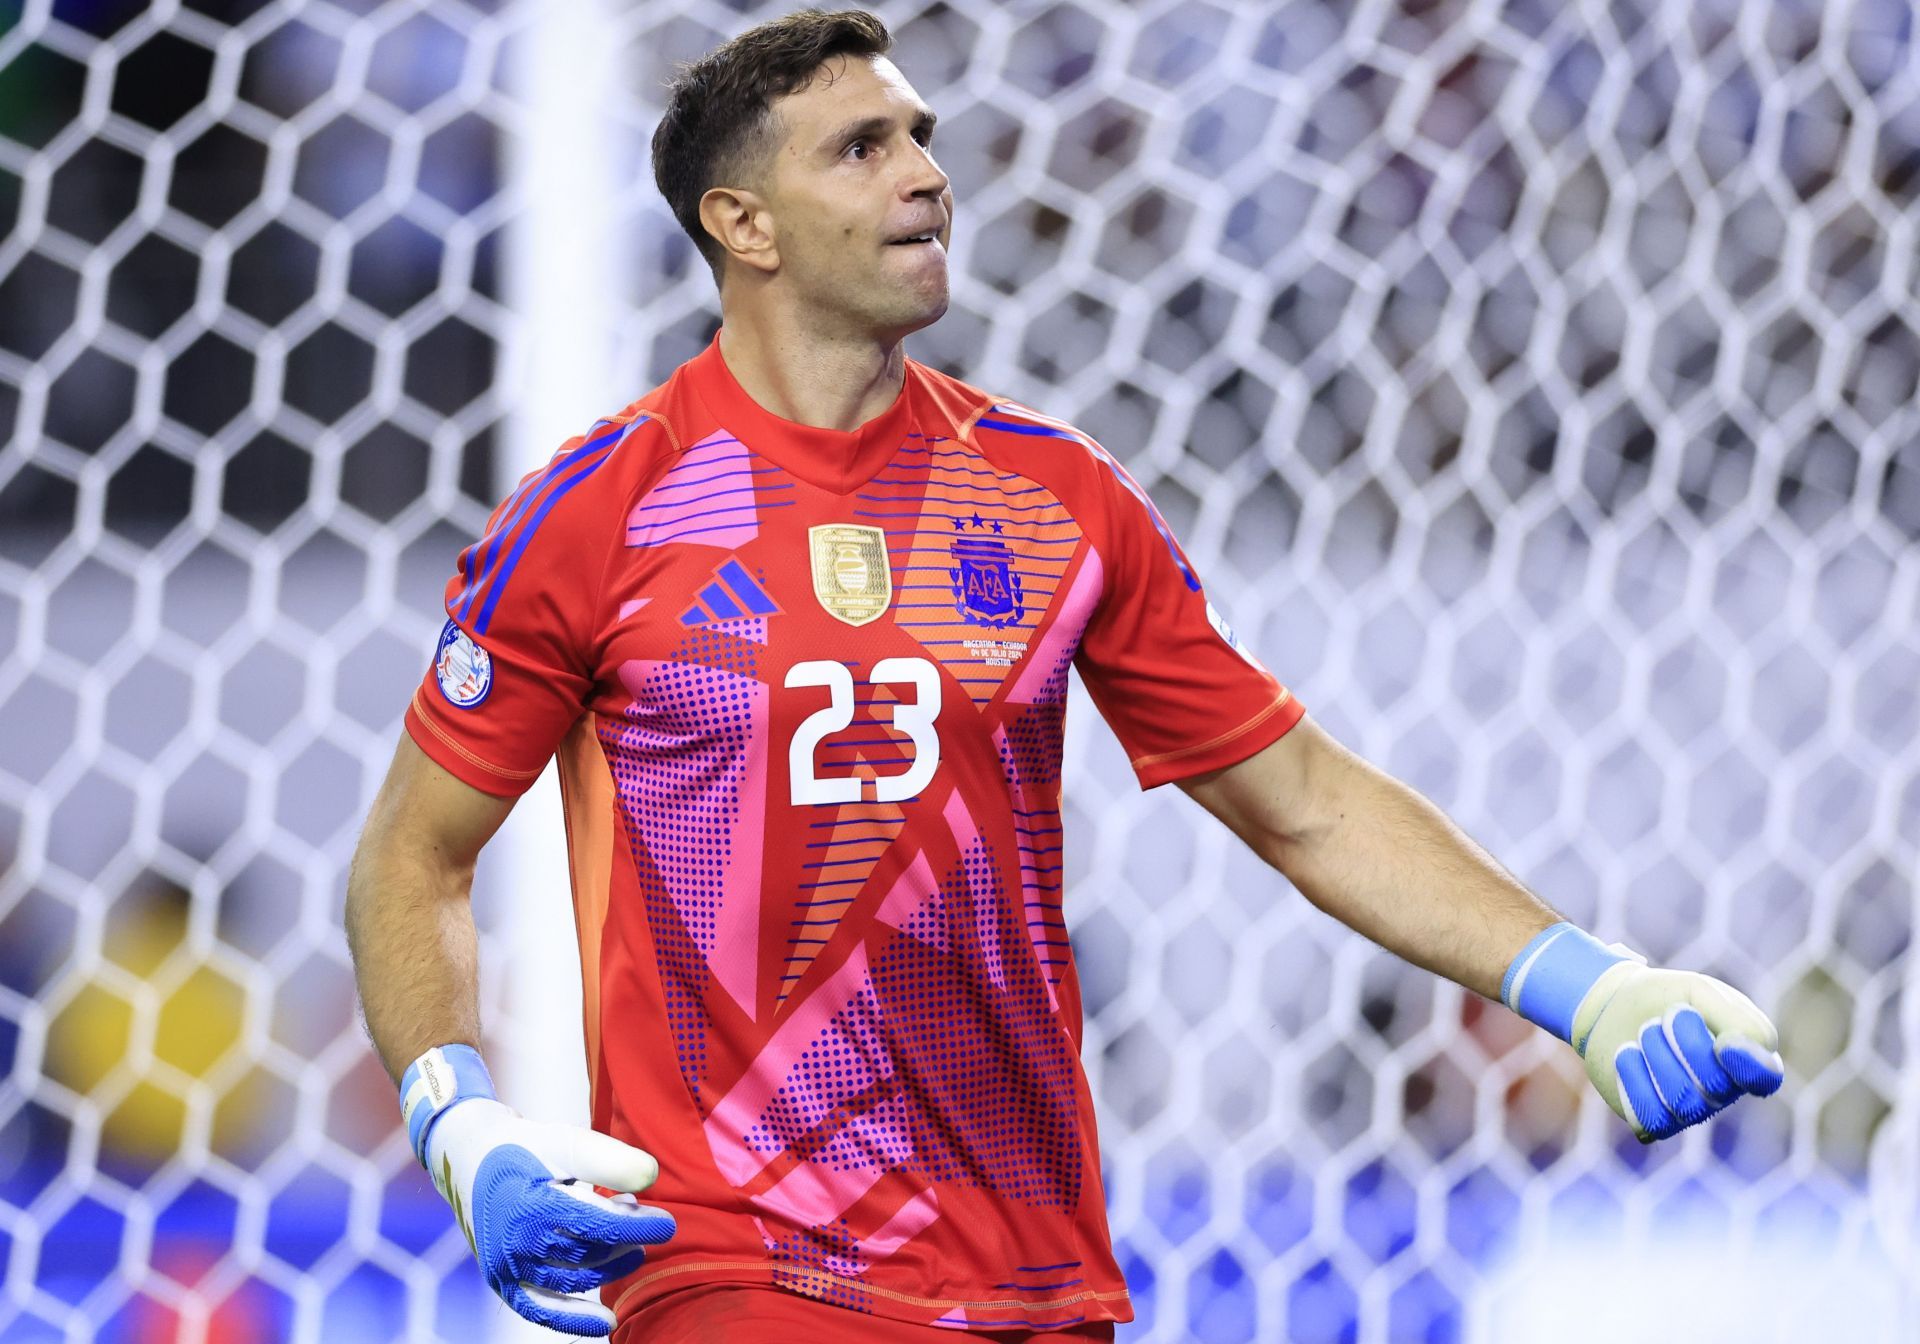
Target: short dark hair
(720, 108)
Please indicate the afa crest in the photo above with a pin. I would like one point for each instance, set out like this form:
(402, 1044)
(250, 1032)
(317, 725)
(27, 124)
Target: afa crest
(986, 589)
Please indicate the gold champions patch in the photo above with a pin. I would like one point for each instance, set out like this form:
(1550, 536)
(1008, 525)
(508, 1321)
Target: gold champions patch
(850, 575)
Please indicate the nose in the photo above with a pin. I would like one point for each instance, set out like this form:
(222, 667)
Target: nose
(923, 176)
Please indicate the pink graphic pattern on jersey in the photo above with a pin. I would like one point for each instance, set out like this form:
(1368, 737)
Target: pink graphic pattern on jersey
(711, 496)
(1043, 679)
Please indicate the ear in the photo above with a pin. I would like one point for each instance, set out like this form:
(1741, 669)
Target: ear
(741, 223)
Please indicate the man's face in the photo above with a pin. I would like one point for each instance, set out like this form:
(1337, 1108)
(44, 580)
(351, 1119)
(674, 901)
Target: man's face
(862, 213)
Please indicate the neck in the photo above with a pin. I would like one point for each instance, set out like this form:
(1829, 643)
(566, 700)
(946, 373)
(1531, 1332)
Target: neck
(807, 376)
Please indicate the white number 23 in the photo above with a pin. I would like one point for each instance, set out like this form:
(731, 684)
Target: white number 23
(913, 717)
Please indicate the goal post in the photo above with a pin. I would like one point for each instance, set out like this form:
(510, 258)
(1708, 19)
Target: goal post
(1536, 387)
(567, 272)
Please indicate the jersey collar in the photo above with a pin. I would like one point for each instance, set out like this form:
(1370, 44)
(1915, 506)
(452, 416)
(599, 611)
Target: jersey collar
(838, 460)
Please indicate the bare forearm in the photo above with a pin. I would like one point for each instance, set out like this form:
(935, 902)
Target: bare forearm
(1389, 864)
(415, 952)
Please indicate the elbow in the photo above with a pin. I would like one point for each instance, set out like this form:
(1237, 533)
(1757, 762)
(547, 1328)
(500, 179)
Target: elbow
(1308, 819)
(395, 863)
(1288, 801)
(1293, 845)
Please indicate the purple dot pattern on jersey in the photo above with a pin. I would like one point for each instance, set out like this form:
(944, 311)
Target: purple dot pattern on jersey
(951, 1058)
(679, 758)
(929, 923)
(1035, 736)
(831, 1249)
(1035, 739)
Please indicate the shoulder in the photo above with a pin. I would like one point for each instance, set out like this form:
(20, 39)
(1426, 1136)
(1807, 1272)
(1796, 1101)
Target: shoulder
(1010, 425)
(1057, 454)
(1014, 436)
(597, 469)
(579, 496)
(944, 404)
(618, 457)
(1087, 478)
(562, 518)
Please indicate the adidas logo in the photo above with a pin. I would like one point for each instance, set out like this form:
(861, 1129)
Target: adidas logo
(733, 593)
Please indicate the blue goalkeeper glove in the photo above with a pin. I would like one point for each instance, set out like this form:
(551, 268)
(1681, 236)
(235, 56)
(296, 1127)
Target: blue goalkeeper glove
(1665, 1049)
(523, 1192)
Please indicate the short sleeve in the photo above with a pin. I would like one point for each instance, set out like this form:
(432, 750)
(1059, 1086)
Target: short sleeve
(1180, 691)
(512, 669)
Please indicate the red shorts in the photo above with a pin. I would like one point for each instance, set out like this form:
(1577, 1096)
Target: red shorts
(725, 1313)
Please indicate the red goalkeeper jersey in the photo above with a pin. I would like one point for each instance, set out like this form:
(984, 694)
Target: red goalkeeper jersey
(806, 689)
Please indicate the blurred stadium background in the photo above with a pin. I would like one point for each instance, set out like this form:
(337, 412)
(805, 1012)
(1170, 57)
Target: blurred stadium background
(1535, 382)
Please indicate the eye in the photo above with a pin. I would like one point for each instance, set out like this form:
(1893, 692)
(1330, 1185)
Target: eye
(923, 136)
(859, 149)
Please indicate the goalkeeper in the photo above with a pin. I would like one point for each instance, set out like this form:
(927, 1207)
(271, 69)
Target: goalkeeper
(795, 627)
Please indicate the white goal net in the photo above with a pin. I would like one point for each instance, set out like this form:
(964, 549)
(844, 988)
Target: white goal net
(1537, 385)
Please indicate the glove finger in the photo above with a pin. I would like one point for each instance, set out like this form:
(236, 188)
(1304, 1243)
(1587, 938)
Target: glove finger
(618, 1264)
(616, 1222)
(585, 1223)
(558, 1278)
(569, 1315)
(1690, 1037)
(1729, 1012)
(603, 1269)
(581, 1278)
(619, 1205)
(604, 1262)
(601, 1159)
(1645, 1111)
(1756, 1069)
(1745, 1038)
(1670, 1077)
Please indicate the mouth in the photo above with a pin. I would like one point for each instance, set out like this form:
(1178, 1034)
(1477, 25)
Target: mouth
(917, 239)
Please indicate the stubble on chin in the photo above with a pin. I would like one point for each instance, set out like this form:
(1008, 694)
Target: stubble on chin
(932, 299)
(938, 309)
(909, 308)
(876, 301)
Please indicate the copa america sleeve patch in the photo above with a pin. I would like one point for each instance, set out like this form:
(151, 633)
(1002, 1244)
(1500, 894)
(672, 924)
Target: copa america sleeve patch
(463, 669)
(1225, 631)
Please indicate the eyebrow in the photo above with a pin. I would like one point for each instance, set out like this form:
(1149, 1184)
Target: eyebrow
(925, 119)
